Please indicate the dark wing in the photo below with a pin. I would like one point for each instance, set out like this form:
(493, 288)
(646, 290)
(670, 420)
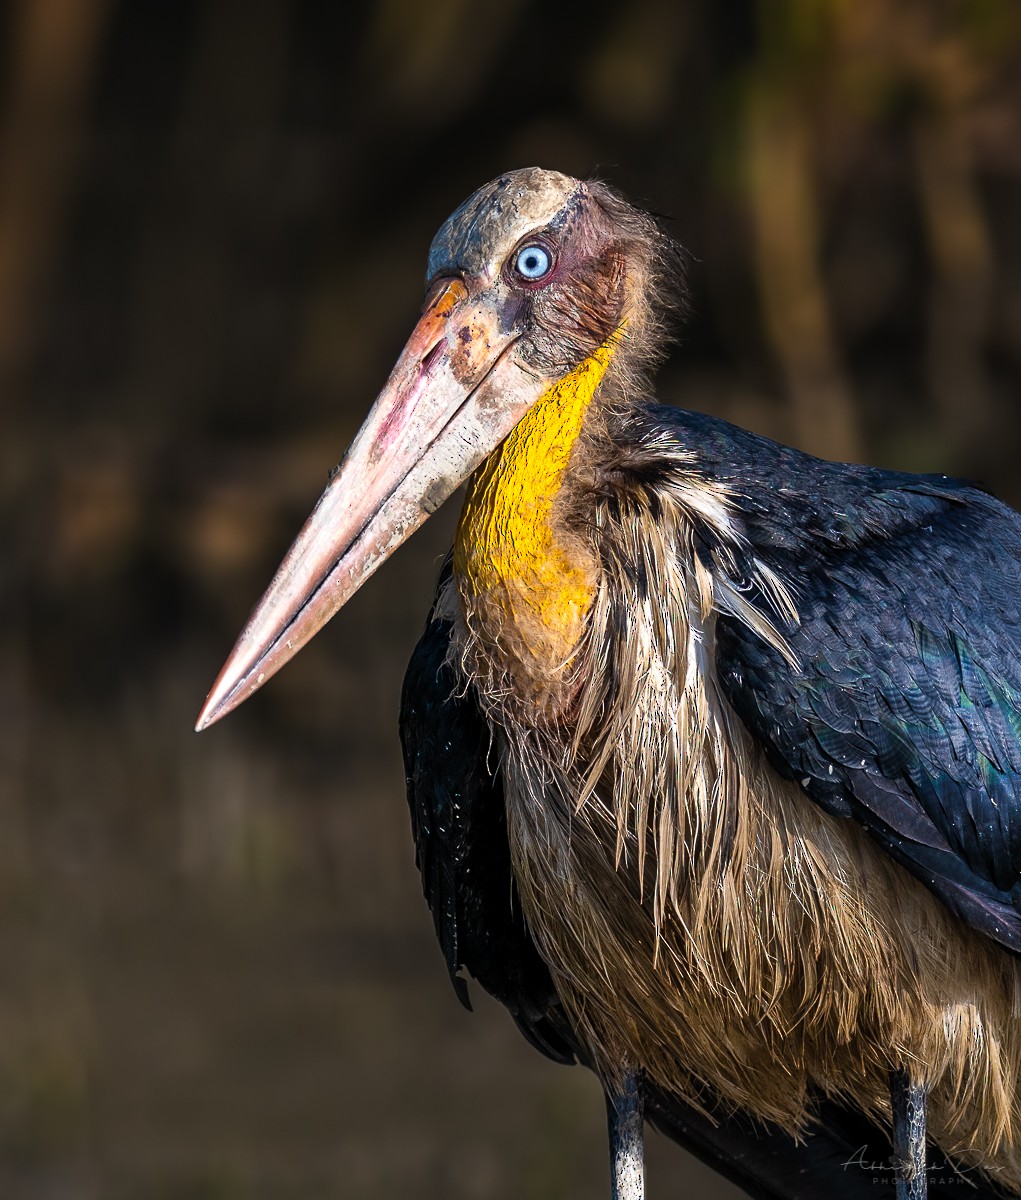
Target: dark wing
(458, 819)
(904, 711)
(460, 830)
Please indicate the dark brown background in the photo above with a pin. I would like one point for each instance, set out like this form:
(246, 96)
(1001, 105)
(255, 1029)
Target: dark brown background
(217, 977)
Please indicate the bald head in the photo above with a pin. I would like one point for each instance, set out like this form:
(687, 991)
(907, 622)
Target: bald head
(488, 225)
(563, 263)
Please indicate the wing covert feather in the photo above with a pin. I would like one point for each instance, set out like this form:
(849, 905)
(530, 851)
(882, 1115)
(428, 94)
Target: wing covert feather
(903, 710)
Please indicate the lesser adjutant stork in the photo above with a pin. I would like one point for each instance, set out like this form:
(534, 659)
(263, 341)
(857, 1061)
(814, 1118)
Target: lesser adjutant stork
(713, 748)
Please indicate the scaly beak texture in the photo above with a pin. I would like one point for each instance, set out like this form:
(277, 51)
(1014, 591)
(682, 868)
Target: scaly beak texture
(456, 392)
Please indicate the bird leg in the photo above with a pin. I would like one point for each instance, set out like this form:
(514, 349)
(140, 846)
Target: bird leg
(625, 1121)
(907, 1100)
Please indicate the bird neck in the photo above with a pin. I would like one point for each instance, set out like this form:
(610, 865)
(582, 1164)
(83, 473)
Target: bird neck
(526, 580)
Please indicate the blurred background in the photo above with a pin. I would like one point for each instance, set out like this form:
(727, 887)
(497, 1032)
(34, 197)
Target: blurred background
(217, 975)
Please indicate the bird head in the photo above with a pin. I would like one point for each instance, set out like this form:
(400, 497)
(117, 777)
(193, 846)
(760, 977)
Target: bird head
(526, 280)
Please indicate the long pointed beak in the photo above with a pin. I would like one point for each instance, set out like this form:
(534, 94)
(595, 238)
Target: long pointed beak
(456, 392)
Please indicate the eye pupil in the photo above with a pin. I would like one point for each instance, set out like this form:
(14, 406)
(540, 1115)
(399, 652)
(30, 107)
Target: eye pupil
(533, 262)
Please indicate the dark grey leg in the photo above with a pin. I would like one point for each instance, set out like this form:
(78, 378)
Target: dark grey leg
(625, 1122)
(908, 1102)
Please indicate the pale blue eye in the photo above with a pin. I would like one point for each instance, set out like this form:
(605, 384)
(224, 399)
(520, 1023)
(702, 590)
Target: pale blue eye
(533, 262)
